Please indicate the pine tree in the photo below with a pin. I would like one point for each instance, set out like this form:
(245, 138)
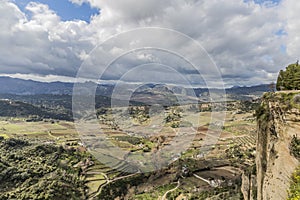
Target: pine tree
(289, 79)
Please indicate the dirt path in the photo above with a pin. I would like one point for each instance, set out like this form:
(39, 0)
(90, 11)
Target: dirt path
(202, 179)
(164, 197)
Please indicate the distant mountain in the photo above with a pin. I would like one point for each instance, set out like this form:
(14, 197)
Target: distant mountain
(248, 90)
(27, 98)
(28, 87)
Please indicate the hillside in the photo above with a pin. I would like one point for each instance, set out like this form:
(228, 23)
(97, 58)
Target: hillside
(39, 171)
(9, 108)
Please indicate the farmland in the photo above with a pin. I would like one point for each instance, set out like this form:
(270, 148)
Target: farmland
(137, 136)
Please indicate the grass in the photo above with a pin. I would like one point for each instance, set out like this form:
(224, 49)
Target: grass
(288, 99)
(122, 144)
(101, 168)
(240, 128)
(4, 135)
(94, 177)
(198, 119)
(156, 193)
(11, 127)
(146, 196)
(93, 185)
(19, 127)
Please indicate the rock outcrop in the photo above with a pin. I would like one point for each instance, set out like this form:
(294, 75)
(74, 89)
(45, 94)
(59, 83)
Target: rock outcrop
(248, 187)
(278, 122)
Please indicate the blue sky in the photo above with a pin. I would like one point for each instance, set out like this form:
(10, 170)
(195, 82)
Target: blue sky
(64, 8)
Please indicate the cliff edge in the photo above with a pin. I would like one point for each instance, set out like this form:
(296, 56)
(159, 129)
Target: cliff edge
(278, 120)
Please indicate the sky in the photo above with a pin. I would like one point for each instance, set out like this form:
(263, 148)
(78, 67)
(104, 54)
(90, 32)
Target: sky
(65, 9)
(247, 41)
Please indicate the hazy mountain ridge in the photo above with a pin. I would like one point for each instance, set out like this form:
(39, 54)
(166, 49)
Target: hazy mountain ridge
(29, 87)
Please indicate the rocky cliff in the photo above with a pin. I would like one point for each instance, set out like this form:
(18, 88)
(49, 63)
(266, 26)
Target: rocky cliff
(278, 122)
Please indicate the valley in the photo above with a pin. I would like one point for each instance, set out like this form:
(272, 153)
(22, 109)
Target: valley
(192, 174)
(149, 100)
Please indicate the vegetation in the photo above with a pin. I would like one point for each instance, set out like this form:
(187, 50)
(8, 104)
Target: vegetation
(295, 147)
(129, 139)
(39, 171)
(230, 193)
(290, 78)
(287, 101)
(139, 113)
(11, 108)
(38, 168)
(294, 191)
(173, 117)
(248, 106)
(120, 188)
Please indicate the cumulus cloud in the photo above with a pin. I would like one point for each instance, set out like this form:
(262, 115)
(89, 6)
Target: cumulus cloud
(249, 42)
(42, 43)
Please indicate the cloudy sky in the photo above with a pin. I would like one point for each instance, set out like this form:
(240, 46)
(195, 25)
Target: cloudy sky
(247, 41)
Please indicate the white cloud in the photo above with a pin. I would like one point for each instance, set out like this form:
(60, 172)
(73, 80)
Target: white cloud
(240, 36)
(290, 13)
(42, 44)
(78, 2)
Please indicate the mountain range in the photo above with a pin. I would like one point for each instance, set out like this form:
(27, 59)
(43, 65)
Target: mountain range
(17, 86)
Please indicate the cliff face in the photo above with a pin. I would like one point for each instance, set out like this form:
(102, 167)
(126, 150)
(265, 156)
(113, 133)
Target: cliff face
(249, 186)
(278, 121)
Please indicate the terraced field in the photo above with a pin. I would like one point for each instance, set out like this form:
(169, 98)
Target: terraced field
(143, 138)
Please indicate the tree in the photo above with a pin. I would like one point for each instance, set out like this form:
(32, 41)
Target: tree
(280, 82)
(290, 78)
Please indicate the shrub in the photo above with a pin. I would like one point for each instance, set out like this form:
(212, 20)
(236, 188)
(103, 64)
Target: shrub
(294, 191)
(295, 147)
